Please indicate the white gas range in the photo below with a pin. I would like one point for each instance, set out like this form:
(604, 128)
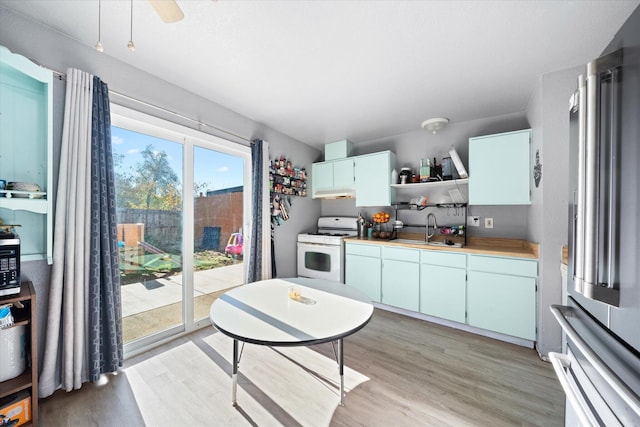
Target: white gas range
(321, 254)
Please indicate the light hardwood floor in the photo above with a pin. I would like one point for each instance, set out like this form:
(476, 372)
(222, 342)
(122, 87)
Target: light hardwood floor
(399, 371)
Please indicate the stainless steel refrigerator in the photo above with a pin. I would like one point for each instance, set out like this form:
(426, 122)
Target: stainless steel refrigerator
(600, 368)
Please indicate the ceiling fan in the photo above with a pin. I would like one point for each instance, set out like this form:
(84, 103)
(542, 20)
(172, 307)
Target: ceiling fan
(168, 10)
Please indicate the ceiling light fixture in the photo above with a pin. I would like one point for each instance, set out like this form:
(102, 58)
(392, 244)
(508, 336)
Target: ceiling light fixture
(130, 45)
(434, 125)
(99, 47)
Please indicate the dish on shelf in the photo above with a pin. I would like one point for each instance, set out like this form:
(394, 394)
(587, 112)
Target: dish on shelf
(449, 182)
(24, 190)
(8, 228)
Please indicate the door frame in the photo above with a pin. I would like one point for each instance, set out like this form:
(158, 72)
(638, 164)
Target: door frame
(189, 138)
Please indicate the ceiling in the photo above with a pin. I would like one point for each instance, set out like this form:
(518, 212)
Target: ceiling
(323, 71)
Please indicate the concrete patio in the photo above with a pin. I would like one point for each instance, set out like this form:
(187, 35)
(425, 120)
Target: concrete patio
(156, 305)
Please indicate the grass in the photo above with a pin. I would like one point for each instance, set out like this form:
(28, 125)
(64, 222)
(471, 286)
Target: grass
(157, 266)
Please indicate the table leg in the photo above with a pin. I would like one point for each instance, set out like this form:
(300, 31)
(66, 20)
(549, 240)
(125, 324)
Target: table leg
(341, 363)
(234, 375)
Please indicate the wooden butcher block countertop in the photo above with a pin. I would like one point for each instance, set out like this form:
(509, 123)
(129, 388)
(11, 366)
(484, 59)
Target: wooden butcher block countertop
(517, 248)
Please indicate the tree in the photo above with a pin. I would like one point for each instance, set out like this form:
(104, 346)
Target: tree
(124, 182)
(157, 181)
(151, 184)
(200, 187)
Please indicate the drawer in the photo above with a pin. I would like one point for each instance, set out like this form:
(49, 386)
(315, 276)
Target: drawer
(443, 258)
(401, 254)
(364, 250)
(512, 266)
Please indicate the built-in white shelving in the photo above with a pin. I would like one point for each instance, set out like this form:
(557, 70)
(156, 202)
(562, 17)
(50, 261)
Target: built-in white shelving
(431, 184)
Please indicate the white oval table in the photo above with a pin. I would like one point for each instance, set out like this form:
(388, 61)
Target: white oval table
(262, 313)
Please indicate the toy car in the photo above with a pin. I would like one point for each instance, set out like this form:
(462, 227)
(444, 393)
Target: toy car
(234, 245)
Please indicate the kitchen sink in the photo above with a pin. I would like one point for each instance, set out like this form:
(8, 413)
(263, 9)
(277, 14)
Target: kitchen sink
(444, 245)
(422, 242)
(413, 242)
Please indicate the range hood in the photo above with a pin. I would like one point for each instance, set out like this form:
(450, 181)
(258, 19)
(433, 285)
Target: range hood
(335, 193)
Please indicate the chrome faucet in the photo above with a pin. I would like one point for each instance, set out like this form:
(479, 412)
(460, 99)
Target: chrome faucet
(433, 228)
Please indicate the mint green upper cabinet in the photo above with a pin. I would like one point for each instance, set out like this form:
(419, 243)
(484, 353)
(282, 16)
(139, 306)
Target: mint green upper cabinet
(334, 174)
(363, 269)
(500, 169)
(343, 173)
(321, 176)
(373, 179)
(443, 283)
(26, 150)
(501, 295)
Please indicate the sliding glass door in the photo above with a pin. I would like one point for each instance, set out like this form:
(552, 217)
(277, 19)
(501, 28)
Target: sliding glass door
(181, 203)
(148, 173)
(218, 226)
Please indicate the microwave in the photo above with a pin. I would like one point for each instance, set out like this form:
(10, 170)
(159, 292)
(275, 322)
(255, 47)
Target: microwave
(9, 264)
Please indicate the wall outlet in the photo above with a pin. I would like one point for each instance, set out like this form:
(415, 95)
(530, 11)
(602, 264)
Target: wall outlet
(473, 221)
(488, 223)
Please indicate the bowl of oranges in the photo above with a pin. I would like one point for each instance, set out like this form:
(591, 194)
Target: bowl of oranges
(380, 218)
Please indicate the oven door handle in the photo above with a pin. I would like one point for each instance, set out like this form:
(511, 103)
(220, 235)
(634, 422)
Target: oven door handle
(561, 313)
(322, 245)
(561, 362)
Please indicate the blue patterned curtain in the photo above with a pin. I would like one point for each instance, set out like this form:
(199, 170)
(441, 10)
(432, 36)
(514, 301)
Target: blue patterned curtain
(255, 257)
(260, 247)
(105, 309)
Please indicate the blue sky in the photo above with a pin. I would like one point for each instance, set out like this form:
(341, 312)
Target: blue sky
(217, 170)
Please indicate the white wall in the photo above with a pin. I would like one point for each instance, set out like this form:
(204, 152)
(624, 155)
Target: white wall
(548, 113)
(53, 50)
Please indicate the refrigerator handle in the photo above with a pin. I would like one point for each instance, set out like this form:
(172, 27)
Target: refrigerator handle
(584, 413)
(591, 174)
(579, 236)
(613, 181)
(561, 313)
(597, 184)
(574, 244)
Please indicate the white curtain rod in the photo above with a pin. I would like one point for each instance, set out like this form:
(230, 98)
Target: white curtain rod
(61, 76)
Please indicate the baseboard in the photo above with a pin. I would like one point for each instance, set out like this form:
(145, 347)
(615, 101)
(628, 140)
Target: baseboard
(461, 326)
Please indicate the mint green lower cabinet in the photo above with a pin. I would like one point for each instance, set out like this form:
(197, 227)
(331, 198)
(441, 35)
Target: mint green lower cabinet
(443, 284)
(502, 303)
(442, 292)
(400, 284)
(401, 277)
(497, 294)
(363, 273)
(363, 269)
